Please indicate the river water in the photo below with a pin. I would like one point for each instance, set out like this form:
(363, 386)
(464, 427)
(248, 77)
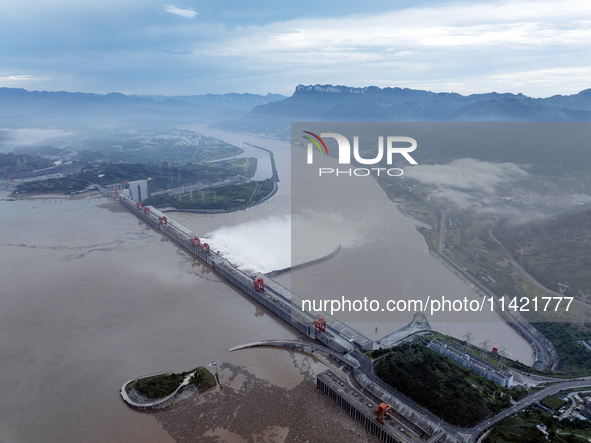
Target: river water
(382, 255)
(91, 297)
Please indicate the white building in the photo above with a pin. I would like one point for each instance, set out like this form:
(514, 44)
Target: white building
(136, 190)
(470, 361)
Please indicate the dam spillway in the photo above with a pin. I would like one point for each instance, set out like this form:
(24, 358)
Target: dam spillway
(337, 336)
(275, 297)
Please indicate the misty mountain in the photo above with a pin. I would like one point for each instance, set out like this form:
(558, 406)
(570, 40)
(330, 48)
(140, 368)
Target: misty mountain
(342, 103)
(237, 101)
(520, 110)
(18, 105)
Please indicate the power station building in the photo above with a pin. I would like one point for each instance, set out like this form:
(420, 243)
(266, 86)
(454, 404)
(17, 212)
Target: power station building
(136, 190)
(470, 361)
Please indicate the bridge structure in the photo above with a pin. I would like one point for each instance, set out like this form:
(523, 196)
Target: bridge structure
(297, 345)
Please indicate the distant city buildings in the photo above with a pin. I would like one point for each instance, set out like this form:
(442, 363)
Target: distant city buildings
(136, 190)
(473, 363)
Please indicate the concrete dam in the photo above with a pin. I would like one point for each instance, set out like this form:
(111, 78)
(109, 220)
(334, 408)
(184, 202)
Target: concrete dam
(259, 287)
(343, 342)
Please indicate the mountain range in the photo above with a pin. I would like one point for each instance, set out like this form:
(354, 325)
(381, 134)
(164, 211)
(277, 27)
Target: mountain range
(19, 105)
(342, 103)
(272, 114)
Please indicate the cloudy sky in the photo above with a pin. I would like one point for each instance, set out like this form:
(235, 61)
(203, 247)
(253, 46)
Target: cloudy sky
(540, 48)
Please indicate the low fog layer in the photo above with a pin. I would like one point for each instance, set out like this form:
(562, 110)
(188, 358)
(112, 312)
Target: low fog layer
(468, 174)
(24, 137)
(486, 188)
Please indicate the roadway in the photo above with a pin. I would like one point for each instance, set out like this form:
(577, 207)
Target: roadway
(525, 402)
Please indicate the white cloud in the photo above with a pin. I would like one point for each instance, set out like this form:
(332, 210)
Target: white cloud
(187, 13)
(474, 185)
(15, 80)
(538, 47)
(34, 136)
(455, 25)
(468, 174)
(459, 47)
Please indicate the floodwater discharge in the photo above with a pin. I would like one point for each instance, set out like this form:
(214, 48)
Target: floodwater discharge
(91, 297)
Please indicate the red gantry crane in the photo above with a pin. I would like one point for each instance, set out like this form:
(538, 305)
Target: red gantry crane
(196, 242)
(259, 285)
(383, 411)
(320, 324)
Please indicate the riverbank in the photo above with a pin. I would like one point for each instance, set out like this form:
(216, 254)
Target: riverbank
(49, 196)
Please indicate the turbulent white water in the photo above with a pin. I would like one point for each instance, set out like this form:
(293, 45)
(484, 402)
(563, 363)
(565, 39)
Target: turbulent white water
(255, 246)
(264, 245)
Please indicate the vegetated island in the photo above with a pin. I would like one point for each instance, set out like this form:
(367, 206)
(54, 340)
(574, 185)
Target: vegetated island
(165, 390)
(217, 199)
(161, 177)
